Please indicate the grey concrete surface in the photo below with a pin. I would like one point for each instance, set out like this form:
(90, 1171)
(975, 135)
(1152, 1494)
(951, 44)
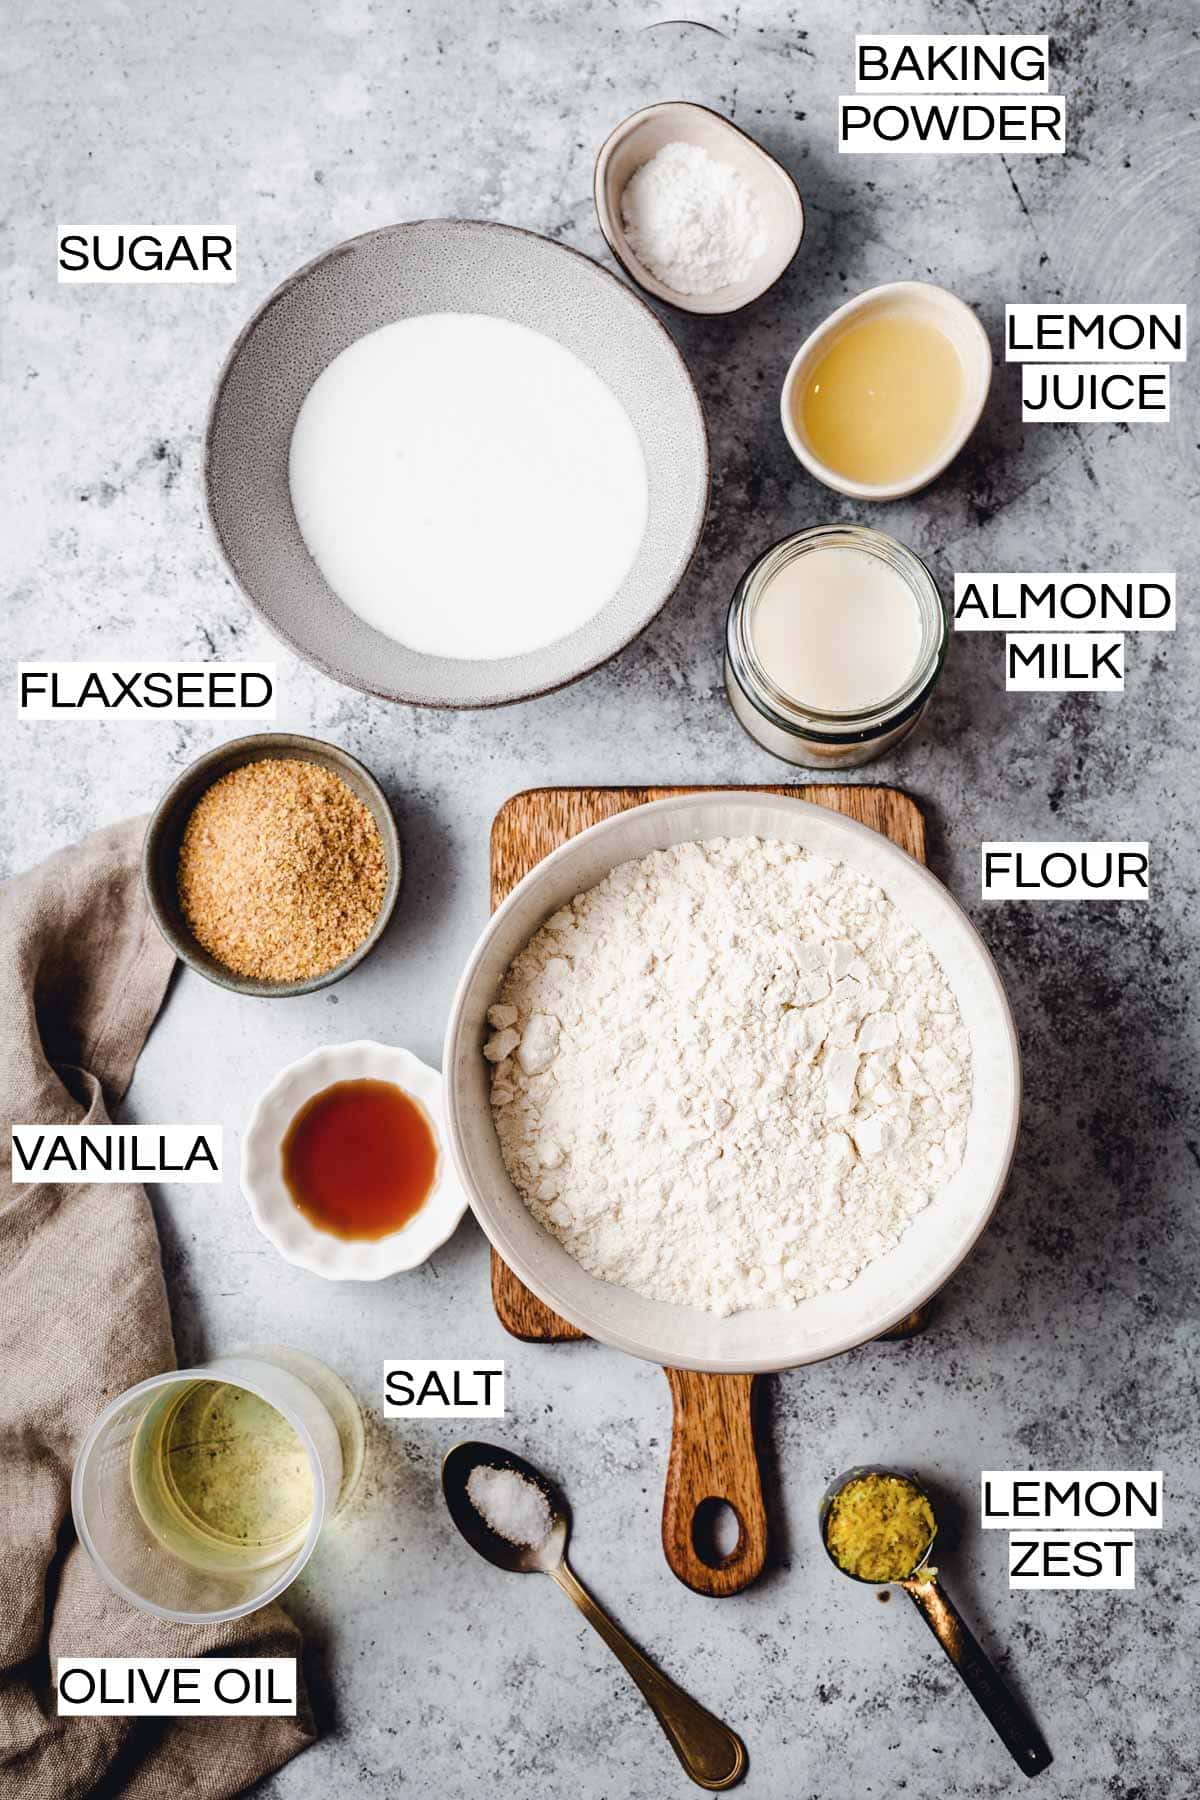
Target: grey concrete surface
(1069, 1340)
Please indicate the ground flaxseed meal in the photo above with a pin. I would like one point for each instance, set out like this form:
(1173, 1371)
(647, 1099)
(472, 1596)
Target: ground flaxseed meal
(281, 870)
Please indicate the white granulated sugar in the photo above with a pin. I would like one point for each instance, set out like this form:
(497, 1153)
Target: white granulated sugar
(515, 1508)
(693, 221)
(729, 1076)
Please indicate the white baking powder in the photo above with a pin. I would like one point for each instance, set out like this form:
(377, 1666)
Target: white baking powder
(693, 221)
(729, 1076)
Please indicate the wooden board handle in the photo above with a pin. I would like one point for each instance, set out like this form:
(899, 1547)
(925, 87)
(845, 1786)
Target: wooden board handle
(713, 1458)
(522, 1314)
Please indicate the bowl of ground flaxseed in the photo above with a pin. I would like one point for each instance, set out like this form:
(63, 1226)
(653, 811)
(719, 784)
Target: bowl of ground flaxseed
(272, 864)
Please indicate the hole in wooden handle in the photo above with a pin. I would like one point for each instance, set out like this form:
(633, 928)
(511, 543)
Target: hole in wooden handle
(718, 1532)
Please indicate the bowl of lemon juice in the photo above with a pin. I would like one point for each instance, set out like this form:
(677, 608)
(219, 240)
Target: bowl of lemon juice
(883, 395)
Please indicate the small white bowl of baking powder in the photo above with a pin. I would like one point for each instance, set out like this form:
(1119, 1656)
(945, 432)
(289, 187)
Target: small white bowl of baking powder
(694, 210)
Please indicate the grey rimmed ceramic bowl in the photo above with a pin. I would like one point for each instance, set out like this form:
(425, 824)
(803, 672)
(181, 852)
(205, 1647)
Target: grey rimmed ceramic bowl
(164, 834)
(404, 271)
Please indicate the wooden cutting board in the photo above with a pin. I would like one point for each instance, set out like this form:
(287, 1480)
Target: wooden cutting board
(713, 1455)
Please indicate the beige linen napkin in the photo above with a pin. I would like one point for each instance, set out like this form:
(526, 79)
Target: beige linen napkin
(83, 1315)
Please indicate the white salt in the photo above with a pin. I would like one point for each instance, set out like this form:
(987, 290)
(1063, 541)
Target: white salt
(514, 1508)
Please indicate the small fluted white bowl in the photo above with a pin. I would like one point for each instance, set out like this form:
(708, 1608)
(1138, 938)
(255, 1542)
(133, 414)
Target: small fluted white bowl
(280, 1219)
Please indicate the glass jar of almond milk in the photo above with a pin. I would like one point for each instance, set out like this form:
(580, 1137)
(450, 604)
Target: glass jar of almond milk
(835, 639)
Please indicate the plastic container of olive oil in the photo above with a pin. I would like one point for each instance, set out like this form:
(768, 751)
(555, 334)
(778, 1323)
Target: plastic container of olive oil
(200, 1495)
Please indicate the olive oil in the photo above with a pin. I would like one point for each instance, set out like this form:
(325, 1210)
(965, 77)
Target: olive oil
(883, 400)
(221, 1479)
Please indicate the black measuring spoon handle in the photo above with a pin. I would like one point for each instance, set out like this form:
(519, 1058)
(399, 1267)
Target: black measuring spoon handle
(1003, 1710)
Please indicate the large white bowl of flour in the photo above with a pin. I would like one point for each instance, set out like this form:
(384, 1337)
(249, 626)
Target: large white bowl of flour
(455, 464)
(891, 1285)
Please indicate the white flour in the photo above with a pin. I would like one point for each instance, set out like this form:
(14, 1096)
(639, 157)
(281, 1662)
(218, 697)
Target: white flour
(693, 221)
(729, 1075)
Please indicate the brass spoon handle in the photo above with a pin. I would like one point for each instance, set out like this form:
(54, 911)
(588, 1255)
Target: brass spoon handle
(1004, 1712)
(711, 1754)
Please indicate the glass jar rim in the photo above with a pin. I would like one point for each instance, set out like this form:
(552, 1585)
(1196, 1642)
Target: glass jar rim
(787, 710)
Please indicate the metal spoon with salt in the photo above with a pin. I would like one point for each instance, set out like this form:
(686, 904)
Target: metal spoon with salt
(1004, 1713)
(711, 1754)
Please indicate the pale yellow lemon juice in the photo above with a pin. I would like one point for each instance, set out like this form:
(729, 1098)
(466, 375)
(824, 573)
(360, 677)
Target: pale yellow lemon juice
(883, 400)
